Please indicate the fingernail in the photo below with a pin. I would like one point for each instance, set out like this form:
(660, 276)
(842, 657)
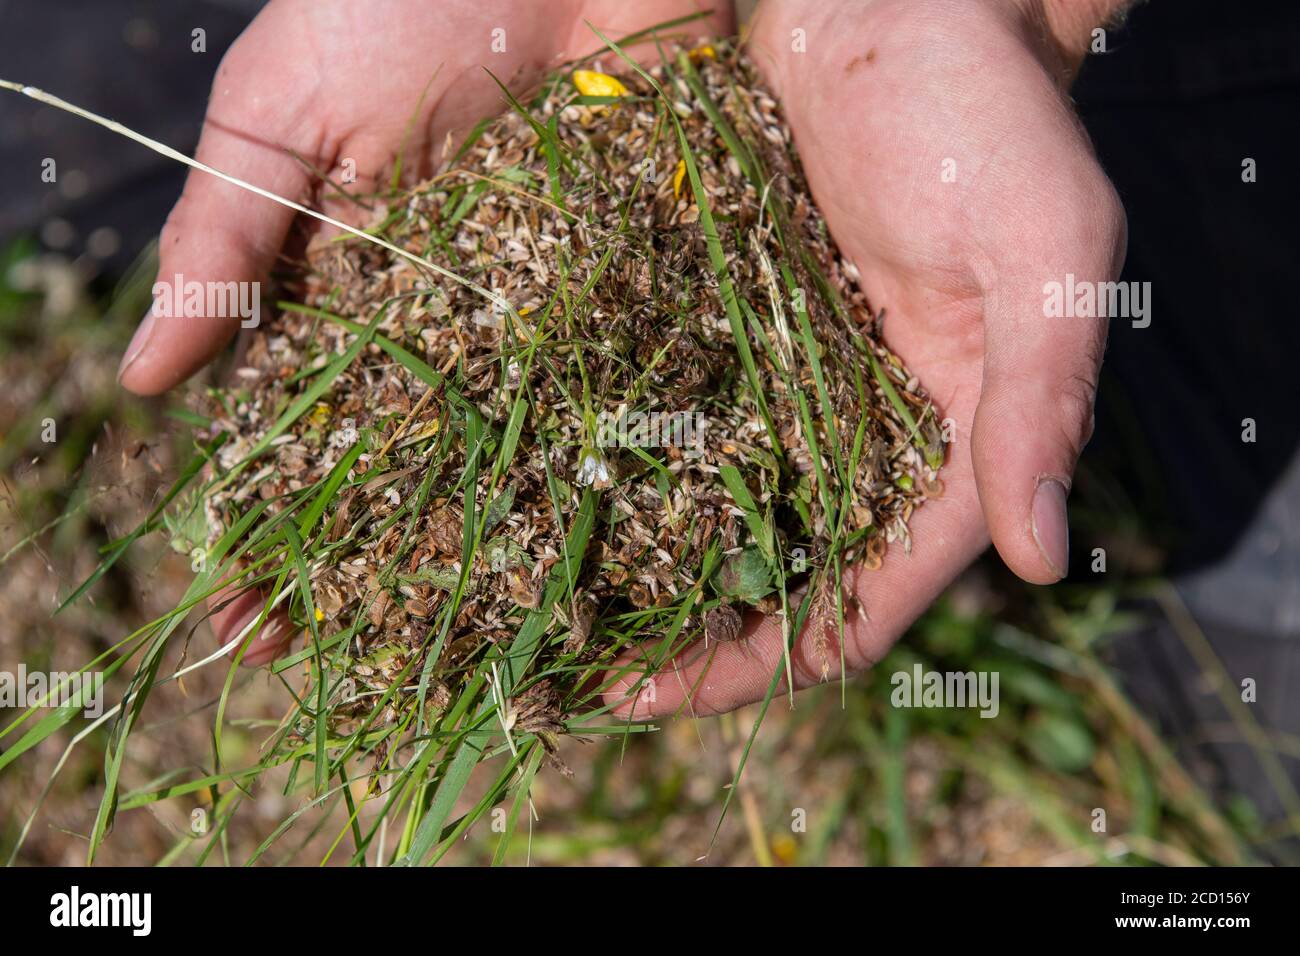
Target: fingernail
(1051, 526)
(138, 343)
(629, 699)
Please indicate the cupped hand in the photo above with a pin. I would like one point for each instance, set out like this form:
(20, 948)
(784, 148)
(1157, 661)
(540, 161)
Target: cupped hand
(940, 144)
(342, 88)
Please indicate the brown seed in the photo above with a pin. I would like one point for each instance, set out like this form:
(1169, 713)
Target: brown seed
(722, 624)
(377, 609)
(580, 629)
(640, 595)
(446, 530)
(875, 556)
(932, 489)
(523, 590)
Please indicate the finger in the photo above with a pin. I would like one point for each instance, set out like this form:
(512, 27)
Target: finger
(618, 18)
(1040, 371)
(219, 234)
(234, 614)
(947, 534)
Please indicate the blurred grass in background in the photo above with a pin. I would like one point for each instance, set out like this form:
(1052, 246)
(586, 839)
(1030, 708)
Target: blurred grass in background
(1068, 772)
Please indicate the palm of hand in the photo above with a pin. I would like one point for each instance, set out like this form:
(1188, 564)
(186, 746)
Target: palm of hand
(953, 174)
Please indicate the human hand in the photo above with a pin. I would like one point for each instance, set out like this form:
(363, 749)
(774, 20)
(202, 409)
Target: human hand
(890, 96)
(340, 84)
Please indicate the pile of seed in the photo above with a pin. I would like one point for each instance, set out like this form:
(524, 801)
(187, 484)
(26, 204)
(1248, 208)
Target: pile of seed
(605, 362)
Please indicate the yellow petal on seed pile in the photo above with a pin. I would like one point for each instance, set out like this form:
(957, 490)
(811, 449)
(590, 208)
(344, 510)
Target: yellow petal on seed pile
(320, 615)
(678, 176)
(427, 430)
(704, 50)
(591, 83)
(320, 415)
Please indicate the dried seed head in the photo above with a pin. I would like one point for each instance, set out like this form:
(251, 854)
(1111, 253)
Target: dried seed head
(580, 628)
(593, 470)
(722, 624)
(640, 595)
(523, 589)
(446, 530)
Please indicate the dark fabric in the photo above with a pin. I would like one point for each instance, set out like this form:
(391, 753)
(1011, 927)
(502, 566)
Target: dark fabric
(129, 60)
(1186, 92)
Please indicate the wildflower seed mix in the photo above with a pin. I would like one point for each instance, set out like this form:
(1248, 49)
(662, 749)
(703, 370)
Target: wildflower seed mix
(640, 393)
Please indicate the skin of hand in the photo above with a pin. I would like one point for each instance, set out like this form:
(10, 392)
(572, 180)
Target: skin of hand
(331, 81)
(888, 96)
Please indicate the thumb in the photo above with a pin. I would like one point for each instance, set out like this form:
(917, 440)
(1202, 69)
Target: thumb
(1040, 373)
(219, 238)
(234, 612)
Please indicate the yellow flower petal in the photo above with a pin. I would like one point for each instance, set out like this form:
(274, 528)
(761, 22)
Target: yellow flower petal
(591, 83)
(785, 849)
(320, 415)
(705, 50)
(427, 430)
(320, 615)
(678, 177)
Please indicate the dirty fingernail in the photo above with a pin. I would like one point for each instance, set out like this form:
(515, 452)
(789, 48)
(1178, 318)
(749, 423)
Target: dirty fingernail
(1050, 524)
